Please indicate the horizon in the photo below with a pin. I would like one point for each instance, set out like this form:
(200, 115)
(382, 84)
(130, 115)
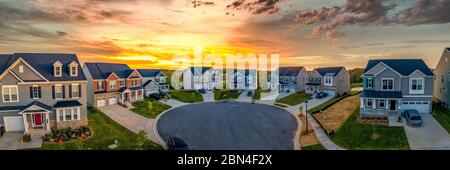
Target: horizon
(307, 33)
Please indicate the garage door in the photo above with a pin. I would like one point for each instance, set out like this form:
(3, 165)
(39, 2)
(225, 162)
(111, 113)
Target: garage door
(422, 107)
(101, 102)
(330, 92)
(13, 123)
(113, 100)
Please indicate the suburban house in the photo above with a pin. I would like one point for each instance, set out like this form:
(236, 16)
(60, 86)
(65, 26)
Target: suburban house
(42, 91)
(442, 80)
(153, 81)
(394, 85)
(331, 80)
(110, 83)
(201, 78)
(292, 79)
(243, 80)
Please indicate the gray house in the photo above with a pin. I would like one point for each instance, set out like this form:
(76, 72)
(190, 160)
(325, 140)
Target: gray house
(153, 81)
(243, 79)
(442, 81)
(331, 80)
(292, 79)
(392, 86)
(42, 91)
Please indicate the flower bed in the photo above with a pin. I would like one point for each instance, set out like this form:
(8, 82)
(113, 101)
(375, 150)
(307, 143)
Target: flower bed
(68, 134)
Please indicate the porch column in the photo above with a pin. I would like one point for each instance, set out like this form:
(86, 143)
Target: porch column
(25, 122)
(361, 103)
(399, 104)
(136, 95)
(386, 102)
(374, 103)
(47, 121)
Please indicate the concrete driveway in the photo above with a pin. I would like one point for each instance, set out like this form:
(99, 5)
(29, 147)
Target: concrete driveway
(230, 126)
(130, 120)
(430, 136)
(11, 141)
(208, 96)
(243, 97)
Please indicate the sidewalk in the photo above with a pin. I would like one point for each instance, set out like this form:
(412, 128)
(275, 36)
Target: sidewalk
(174, 103)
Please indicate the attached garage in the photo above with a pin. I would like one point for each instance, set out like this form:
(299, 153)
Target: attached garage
(330, 92)
(101, 102)
(113, 100)
(14, 123)
(420, 106)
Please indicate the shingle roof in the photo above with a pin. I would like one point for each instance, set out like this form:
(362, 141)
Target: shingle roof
(327, 70)
(381, 94)
(11, 108)
(403, 66)
(104, 70)
(39, 104)
(198, 69)
(146, 83)
(43, 63)
(149, 72)
(72, 103)
(289, 71)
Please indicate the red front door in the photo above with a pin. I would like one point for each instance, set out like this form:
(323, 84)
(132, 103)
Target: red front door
(37, 119)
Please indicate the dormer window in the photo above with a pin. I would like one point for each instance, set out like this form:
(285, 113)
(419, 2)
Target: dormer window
(57, 69)
(73, 67)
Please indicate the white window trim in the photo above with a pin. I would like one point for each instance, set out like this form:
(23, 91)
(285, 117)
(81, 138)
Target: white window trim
(120, 82)
(20, 68)
(32, 90)
(62, 111)
(367, 102)
(76, 70)
(77, 86)
(10, 95)
(56, 96)
(111, 82)
(58, 67)
(371, 82)
(393, 84)
(411, 91)
(379, 101)
(102, 85)
(325, 81)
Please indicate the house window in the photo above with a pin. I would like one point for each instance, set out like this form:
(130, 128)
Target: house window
(112, 84)
(122, 83)
(162, 79)
(10, 94)
(328, 81)
(61, 115)
(369, 103)
(75, 90)
(100, 85)
(58, 92)
(73, 71)
(58, 71)
(68, 114)
(369, 83)
(381, 103)
(75, 113)
(35, 92)
(21, 69)
(417, 85)
(387, 84)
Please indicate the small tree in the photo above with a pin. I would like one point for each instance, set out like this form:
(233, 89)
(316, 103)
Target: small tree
(150, 106)
(142, 137)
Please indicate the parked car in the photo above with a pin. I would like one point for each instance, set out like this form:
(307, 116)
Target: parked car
(2, 130)
(156, 96)
(176, 143)
(250, 94)
(202, 91)
(165, 94)
(413, 118)
(320, 95)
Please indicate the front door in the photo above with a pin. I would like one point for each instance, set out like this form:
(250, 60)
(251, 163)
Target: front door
(37, 119)
(392, 105)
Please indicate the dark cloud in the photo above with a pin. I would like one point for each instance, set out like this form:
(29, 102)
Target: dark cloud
(256, 6)
(197, 3)
(23, 29)
(425, 12)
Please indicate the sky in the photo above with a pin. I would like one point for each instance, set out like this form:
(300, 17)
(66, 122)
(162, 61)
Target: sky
(148, 33)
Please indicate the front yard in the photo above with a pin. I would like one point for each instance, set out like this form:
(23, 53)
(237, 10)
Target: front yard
(294, 99)
(442, 115)
(325, 104)
(149, 108)
(106, 131)
(226, 94)
(334, 116)
(186, 96)
(257, 95)
(356, 136)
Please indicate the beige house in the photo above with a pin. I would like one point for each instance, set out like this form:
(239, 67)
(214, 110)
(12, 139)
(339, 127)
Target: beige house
(333, 80)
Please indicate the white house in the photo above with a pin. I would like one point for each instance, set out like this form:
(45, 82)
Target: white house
(195, 78)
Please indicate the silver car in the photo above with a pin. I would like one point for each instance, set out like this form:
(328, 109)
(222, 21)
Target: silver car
(413, 118)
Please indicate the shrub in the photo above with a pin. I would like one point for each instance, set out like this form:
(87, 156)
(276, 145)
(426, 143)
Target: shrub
(26, 138)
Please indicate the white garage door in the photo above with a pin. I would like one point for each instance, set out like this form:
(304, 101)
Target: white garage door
(101, 102)
(422, 107)
(13, 123)
(113, 100)
(330, 92)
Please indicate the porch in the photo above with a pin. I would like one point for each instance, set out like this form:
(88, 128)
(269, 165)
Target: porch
(36, 122)
(380, 107)
(131, 96)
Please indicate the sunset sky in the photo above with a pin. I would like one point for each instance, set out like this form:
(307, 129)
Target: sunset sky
(147, 33)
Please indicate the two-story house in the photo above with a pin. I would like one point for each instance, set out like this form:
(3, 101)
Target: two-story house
(292, 79)
(442, 79)
(331, 80)
(393, 85)
(41, 91)
(110, 83)
(195, 78)
(153, 81)
(243, 79)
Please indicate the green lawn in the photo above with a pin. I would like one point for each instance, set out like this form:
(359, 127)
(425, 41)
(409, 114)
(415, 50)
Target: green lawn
(325, 104)
(106, 131)
(359, 84)
(225, 94)
(314, 147)
(257, 95)
(357, 136)
(186, 96)
(442, 115)
(142, 108)
(280, 105)
(295, 98)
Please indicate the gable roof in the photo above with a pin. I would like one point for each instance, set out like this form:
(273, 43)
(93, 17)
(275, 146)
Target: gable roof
(289, 71)
(43, 64)
(147, 82)
(149, 72)
(198, 69)
(403, 66)
(104, 70)
(329, 71)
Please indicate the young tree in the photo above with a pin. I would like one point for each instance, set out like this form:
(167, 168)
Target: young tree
(142, 137)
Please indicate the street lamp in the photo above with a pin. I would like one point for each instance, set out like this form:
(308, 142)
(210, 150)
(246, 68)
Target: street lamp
(306, 115)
